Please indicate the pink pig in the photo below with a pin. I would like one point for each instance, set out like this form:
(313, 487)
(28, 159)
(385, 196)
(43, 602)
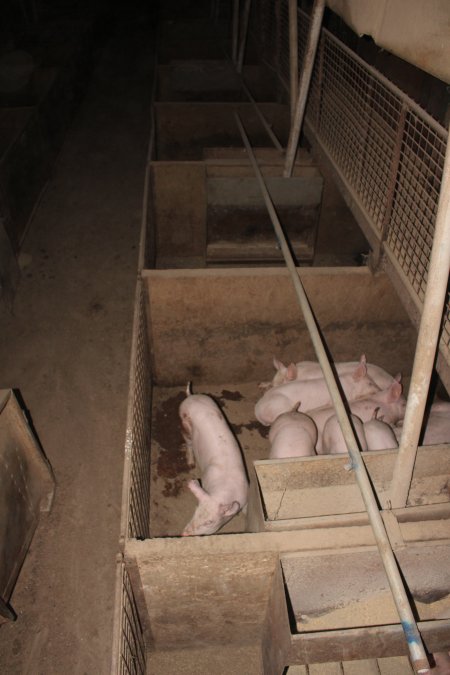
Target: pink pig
(333, 442)
(379, 435)
(437, 425)
(390, 405)
(212, 444)
(311, 370)
(293, 434)
(312, 394)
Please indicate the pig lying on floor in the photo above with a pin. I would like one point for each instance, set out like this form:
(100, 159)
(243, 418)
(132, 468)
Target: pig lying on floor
(313, 393)
(216, 452)
(311, 370)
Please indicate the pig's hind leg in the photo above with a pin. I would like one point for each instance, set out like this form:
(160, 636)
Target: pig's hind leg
(187, 435)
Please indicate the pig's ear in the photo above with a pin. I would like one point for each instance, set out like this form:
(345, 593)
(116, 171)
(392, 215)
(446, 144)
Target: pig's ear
(361, 369)
(278, 365)
(291, 372)
(394, 391)
(196, 489)
(229, 509)
(398, 377)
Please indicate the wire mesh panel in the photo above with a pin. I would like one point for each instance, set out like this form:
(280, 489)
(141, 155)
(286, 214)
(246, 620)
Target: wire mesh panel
(388, 150)
(284, 44)
(135, 510)
(129, 655)
(416, 198)
(357, 120)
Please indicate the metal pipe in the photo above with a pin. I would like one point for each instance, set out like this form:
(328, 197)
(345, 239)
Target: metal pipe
(414, 641)
(427, 341)
(293, 54)
(264, 122)
(245, 19)
(143, 245)
(235, 31)
(308, 63)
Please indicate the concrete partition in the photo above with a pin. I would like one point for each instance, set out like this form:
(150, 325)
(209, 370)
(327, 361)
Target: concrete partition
(225, 325)
(287, 491)
(286, 593)
(212, 212)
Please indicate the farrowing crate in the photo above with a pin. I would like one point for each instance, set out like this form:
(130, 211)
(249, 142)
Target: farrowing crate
(219, 329)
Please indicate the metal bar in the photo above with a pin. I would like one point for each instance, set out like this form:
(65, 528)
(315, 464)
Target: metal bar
(293, 54)
(244, 31)
(414, 641)
(235, 31)
(308, 63)
(427, 340)
(263, 120)
(265, 123)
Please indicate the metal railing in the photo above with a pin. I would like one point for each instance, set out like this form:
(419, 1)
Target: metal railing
(129, 655)
(387, 149)
(136, 488)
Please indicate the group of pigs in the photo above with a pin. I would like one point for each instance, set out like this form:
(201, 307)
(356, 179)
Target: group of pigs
(298, 408)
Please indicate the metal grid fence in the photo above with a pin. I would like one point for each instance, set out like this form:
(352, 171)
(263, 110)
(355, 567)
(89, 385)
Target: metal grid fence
(388, 150)
(136, 490)
(129, 655)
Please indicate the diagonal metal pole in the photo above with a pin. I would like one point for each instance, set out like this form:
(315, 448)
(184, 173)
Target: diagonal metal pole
(235, 31)
(293, 55)
(427, 341)
(243, 34)
(410, 629)
(308, 63)
(270, 132)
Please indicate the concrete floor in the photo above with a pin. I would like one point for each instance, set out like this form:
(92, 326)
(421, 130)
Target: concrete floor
(66, 347)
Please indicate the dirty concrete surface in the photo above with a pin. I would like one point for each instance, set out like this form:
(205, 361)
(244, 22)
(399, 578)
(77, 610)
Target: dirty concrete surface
(66, 347)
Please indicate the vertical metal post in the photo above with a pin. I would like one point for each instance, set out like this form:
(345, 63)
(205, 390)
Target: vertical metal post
(293, 55)
(308, 63)
(245, 19)
(427, 340)
(235, 32)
